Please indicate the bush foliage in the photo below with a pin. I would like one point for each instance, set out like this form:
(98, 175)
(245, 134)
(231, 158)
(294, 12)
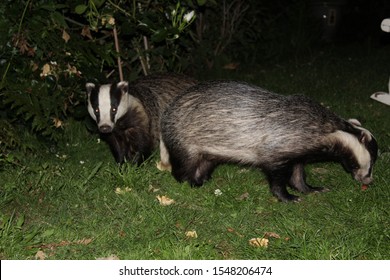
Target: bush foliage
(50, 48)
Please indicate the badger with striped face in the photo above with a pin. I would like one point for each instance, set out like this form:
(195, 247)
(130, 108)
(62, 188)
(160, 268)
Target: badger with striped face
(128, 114)
(108, 103)
(220, 122)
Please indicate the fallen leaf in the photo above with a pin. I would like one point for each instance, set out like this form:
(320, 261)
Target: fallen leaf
(271, 234)
(73, 70)
(40, 255)
(111, 21)
(259, 242)
(122, 191)
(232, 230)
(84, 241)
(152, 189)
(20, 42)
(110, 257)
(65, 36)
(34, 67)
(244, 196)
(229, 229)
(164, 200)
(57, 123)
(86, 32)
(45, 70)
(191, 234)
(62, 243)
(231, 66)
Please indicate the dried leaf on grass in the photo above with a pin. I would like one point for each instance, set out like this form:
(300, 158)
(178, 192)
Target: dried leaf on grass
(191, 234)
(231, 66)
(52, 246)
(244, 196)
(271, 234)
(86, 32)
(65, 36)
(232, 230)
(40, 255)
(259, 242)
(122, 191)
(152, 189)
(165, 200)
(110, 257)
(46, 69)
(264, 241)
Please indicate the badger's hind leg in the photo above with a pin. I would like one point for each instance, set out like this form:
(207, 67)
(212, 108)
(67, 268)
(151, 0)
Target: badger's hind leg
(195, 170)
(278, 180)
(298, 180)
(203, 171)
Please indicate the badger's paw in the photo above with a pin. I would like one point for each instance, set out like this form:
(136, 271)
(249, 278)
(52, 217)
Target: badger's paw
(163, 166)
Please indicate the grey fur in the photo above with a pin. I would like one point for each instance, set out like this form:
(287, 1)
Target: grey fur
(230, 122)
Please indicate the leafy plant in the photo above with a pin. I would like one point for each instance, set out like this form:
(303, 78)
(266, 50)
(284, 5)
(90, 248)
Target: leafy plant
(50, 49)
(14, 235)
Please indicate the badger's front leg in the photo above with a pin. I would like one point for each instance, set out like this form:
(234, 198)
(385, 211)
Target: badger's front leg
(298, 180)
(164, 163)
(116, 146)
(138, 145)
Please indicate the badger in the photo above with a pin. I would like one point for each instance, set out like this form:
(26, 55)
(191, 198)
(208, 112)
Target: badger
(219, 122)
(128, 114)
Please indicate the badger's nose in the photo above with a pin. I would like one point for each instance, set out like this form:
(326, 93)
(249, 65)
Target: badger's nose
(105, 128)
(366, 180)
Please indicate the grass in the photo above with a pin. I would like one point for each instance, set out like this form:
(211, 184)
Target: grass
(62, 202)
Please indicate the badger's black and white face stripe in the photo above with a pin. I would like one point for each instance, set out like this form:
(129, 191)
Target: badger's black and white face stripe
(107, 103)
(361, 152)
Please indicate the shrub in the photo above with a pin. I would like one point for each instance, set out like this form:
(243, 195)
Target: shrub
(51, 49)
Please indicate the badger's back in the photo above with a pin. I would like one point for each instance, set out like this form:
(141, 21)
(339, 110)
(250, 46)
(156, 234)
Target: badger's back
(155, 92)
(242, 123)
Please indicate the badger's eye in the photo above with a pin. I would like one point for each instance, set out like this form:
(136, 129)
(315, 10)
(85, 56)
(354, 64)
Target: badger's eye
(113, 109)
(97, 111)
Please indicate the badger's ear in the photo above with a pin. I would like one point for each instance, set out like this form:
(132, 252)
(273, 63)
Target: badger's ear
(123, 86)
(365, 137)
(89, 87)
(354, 122)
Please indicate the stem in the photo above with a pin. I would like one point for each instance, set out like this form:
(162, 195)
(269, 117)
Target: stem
(145, 65)
(146, 46)
(118, 52)
(119, 9)
(16, 43)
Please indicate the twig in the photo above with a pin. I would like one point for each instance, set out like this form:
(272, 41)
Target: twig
(145, 64)
(142, 60)
(146, 46)
(16, 43)
(118, 52)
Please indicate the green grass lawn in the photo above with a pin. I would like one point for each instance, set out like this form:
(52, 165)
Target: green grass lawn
(73, 202)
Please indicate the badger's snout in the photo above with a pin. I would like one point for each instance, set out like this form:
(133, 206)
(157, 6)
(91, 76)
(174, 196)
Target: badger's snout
(364, 179)
(105, 128)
